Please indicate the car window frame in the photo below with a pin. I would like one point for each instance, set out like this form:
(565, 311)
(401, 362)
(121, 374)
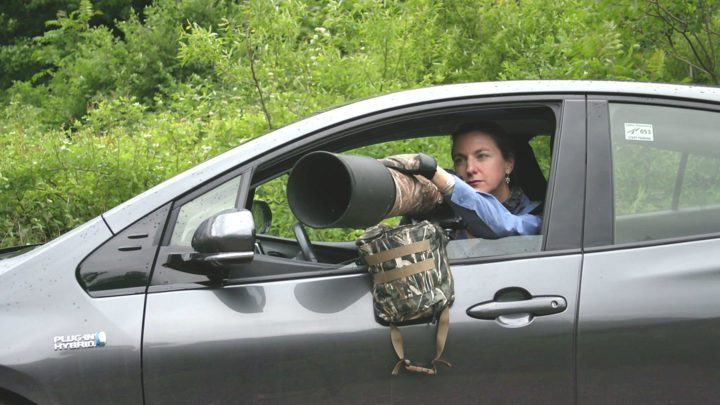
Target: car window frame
(568, 231)
(599, 221)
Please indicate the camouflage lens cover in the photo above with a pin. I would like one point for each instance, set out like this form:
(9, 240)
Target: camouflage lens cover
(414, 195)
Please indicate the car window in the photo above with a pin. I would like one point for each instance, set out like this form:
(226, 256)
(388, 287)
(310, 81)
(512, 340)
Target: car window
(122, 264)
(666, 172)
(193, 212)
(274, 193)
(187, 214)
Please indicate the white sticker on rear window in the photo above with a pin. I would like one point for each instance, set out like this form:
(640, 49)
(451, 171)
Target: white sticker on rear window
(638, 132)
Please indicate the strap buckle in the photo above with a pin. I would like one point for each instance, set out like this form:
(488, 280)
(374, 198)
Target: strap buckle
(413, 367)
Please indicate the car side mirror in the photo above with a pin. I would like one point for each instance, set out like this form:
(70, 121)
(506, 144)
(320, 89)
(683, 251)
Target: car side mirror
(223, 239)
(226, 234)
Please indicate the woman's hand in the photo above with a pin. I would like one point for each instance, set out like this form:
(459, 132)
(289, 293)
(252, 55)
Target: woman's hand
(422, 165)
(444, 181)
(412, 164)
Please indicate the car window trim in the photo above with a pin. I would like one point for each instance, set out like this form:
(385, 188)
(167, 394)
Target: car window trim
(658, 101)
(563, 220)
(599, 206)
(348, 271)
(652, 243)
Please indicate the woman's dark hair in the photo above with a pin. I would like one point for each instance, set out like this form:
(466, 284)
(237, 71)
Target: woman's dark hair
(493, 130)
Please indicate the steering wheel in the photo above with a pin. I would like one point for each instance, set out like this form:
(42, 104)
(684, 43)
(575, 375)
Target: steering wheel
(304, 242)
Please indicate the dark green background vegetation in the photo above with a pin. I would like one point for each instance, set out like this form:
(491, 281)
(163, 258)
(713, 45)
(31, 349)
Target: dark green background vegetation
(102, 99)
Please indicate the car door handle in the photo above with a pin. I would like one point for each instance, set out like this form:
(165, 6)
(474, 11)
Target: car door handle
(535, 306)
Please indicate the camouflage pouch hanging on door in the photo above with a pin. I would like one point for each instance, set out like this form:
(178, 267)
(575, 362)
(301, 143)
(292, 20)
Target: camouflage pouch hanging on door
(411, 281)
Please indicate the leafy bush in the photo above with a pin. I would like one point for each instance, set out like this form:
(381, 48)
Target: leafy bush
(118, 96)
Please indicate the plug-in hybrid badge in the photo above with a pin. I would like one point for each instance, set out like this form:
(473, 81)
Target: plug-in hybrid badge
(80, 341)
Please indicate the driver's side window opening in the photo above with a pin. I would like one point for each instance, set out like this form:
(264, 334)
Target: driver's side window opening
(273, 192)
(531, 128)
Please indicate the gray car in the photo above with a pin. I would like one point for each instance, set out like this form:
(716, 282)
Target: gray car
(124, 309)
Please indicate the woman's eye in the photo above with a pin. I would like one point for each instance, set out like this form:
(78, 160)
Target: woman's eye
(458, 160)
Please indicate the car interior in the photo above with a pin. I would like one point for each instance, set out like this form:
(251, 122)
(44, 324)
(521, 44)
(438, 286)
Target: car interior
(310, 249)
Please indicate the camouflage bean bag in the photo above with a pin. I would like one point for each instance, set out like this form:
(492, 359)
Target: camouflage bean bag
(411, 281)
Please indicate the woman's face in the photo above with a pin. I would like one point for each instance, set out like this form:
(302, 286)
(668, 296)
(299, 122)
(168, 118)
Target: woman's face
(480, 163)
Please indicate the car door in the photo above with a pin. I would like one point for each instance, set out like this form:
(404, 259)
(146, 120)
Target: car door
(283, 330)
(649, 317)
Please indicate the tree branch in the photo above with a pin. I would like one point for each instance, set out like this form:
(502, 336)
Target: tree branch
(704, 54)
(256, 81)
(251, 54)
(696, 53)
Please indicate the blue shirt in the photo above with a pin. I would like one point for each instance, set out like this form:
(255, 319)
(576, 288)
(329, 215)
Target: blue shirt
(486, 217)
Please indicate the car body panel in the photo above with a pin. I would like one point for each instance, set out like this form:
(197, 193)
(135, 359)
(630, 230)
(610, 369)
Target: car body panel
(317, 341)
(42, 303)
(93, 230)
(13, 251)
(649, 325)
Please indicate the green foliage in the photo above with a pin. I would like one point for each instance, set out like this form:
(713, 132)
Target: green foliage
(22, 20)
(73, 176)
(102, 99)
(16, 60)
(539, 39)
(543, 150)
(691, 33)
(75, 75)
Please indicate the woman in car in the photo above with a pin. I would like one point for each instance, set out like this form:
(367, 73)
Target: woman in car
(482, 192)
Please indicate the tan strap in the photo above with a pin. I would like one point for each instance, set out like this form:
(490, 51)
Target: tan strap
(403, 272)
(397, 343)
(396, 369)
(399, 251)
(414, 368)
(441, 337)
(440, 340)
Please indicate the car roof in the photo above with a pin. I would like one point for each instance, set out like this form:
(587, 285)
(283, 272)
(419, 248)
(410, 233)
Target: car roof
(132, 210)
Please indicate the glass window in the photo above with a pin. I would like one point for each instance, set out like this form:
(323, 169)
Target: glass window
(666, 172)
(199, 209)
(700, 183)
(122, 264)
